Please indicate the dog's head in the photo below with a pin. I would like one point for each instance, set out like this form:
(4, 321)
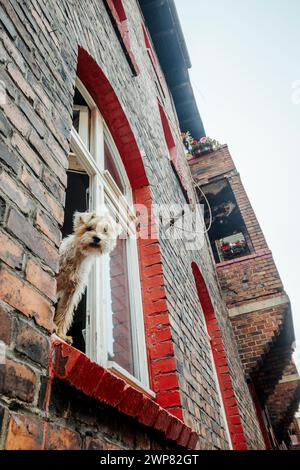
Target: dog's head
(96, 234)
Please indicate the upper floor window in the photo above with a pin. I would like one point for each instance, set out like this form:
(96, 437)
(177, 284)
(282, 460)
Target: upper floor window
(228, 235)
(176, 166)
(108, 324)
(155, 64)
(117, 14)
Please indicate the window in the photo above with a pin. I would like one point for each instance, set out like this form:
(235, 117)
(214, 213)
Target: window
(232, 247)
(108, 324)
(176, 166)
(228, 234)
(154, 62)
(117, 14)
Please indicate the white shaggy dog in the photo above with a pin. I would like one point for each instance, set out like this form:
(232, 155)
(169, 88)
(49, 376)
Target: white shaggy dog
(93, 235)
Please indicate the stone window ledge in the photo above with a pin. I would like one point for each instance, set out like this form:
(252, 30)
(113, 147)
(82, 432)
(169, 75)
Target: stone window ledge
(74, 367)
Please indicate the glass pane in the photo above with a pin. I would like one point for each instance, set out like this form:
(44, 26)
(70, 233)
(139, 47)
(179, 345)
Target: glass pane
(120, 334)
(76, 200)
(76, 115)
(232, 247)
(81, 117)
(110, 165)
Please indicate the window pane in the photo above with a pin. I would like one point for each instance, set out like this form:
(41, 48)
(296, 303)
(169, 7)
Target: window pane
(232, 247)
(76, 116)
(110, 165)
(76, 200)
(81, 117)
(120, 334)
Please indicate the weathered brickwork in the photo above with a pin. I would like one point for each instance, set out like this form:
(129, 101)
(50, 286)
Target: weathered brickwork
(41, 46)
(284, 401)
(257, 304)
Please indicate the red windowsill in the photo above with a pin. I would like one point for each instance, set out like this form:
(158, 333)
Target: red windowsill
(74, 367)
(241, 259)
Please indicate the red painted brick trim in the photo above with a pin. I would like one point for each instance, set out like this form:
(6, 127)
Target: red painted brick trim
(153, 58)
(74, 367)
(119, 14)
(161, 359)
(174, 158)
(234, 421)
(111, 109)
(243, 259)
(260, 416)
(148, 46)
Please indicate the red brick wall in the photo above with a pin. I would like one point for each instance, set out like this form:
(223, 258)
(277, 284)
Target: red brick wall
(212, 165)
(284, 401)
(247, 279)
(255, 332)
(263, 330)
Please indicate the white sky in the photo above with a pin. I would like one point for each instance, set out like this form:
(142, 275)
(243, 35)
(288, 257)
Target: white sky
(245, 60)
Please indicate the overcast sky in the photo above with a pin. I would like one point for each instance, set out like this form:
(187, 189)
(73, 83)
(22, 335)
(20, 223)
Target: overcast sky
(245, 68)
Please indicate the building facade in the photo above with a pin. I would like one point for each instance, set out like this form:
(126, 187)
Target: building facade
(257, 305)
(94, 96)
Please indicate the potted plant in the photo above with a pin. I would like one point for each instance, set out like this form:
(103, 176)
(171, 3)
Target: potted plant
(194, 148)
(204, 146)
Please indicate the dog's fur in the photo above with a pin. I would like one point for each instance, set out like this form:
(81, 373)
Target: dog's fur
(93, 235)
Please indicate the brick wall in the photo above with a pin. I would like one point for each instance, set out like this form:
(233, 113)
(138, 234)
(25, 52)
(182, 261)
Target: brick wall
(284, 401)
(257, 304)
(39, 52)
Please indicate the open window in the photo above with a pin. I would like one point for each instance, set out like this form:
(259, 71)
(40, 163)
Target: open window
(228, 235)
(108, 324)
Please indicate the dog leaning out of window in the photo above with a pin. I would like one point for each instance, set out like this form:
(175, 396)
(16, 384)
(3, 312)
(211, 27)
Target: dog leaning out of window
(93, 235)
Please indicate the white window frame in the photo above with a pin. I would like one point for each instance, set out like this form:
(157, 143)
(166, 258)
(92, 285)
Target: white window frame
(103, 190)
(215, 374)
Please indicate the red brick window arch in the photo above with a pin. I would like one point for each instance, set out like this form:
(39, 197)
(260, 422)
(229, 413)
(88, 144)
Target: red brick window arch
(228, 400)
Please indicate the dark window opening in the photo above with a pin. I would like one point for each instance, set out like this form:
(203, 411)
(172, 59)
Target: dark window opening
(76, 200)
(78, 103)
(228, 235)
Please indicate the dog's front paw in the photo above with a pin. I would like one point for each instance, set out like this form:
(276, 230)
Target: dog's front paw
(68, 339)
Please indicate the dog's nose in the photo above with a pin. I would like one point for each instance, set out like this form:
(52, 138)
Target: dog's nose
(96, 239)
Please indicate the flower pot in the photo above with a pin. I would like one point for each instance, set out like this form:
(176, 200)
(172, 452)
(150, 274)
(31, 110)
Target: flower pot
(202, 151)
